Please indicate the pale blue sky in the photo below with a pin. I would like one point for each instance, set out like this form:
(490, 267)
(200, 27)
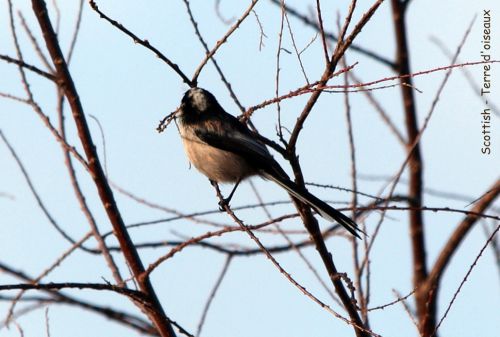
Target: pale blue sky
(129, 91)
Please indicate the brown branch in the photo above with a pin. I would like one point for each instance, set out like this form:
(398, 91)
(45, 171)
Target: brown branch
(294, 44)
(76, 32)
(278, 249)
(129, 320)
(322, 31)
(30, 67)
(330, 69)
(224, 80)
(308, 22)
(459, 235)
(361, 295)
(415, 165)
(211, 297)
(143, 42)
(407, 309)
(399, 299)
(34, 192)
(426, 307)
(467, 74)
(221, 41)
(455, 295)
(134, 294)
(197, 214)
(31, 100)
(381, 111)
(309, 221)
(35, 43)
(155, 311)
(196, 240)
(316, 86)
(103, 249)
(284, 248)
(168, 210)
(46, 272)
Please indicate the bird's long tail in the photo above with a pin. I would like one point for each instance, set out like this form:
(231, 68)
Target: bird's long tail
(323, 209)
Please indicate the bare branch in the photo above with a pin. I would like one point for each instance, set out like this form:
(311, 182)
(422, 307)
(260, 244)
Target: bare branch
(155, 311)
(465, 278)
(221, 41)
(134, 294)
(377, 57)
(211, 297)
(142, 42)
(460, 233)
(30, 67)
(35, 193)
(118, 316)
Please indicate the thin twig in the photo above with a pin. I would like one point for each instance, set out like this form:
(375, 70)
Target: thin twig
(467, 74)
(406, 308)
(35, 43)
(455, 295)
(223, 40)
(76, 32)
(152, 205)
(277, 76)
(134, 294)
(47, 324)
(103, 249)
(308, 22)
(46, 272)
(361, 296)
(207, 51)
(294, 44)
(196, 240)
(399, 299)
(261, 28)
(211, 297)
(322, 31)
(30, 100)
(30, 67)
(35, 193)
(143, 42)
(381, 111)
(317, 87)
(460, 233)
(129, 320)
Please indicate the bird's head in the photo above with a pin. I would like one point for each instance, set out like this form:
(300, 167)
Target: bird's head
(198, 101)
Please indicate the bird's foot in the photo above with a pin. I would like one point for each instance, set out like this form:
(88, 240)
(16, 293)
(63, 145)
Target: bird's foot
(223, 203)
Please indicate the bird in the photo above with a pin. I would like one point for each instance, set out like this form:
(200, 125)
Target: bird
(225, 150)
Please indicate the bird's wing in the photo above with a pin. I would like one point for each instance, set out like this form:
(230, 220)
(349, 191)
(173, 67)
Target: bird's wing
(239, 140)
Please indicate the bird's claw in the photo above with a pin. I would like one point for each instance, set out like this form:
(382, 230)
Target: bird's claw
(222, 204)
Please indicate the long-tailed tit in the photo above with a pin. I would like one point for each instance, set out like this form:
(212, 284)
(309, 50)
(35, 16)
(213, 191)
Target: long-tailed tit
(225, 150)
